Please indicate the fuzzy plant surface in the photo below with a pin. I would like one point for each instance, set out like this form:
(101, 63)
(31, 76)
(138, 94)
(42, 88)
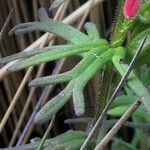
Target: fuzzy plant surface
(70, 140)
(95, 52)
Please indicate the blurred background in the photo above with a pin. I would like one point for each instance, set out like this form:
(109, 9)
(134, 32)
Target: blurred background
(15, 93)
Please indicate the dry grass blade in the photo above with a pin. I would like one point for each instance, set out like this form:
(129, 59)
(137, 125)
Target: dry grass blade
(22, 116)
(85, 15)
(6, 24)
(14, 101)
(118, 125)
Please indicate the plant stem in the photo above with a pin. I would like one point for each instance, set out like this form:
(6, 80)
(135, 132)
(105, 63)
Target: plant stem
(40, 147)
(104, 88)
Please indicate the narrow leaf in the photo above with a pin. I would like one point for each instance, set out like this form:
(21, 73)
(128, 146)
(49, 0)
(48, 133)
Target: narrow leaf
(46, 57)
(26, 54)
(92, 31)
(53, 106)
(54, 79)
(133, 82)
(56, 27)
(70, 145)
(55, 4)
(132, 46)
(57, 48)
(75, 72)
(60, 139)
(81, 81)
(42, 14)
(124, 100)
(120, 110)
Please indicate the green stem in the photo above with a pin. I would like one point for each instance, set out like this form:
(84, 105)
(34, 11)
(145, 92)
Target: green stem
(40, 147)
(104, 88)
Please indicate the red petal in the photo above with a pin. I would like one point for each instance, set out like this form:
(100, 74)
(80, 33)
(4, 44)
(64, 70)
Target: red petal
(131, 7)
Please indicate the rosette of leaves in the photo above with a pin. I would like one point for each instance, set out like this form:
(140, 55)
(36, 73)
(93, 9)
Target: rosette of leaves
(94, 51)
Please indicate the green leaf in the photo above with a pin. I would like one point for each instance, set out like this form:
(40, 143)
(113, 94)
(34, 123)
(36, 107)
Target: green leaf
(118, 111)
(133, 82)
(132, 46)
(54, 79)
(55, 4)
(66, 137)
(49, 56)
(56, 27)
(81, 81)
(123, 100)
(122, 144)
(69, 136)
(70, 145)
(26, 54)
(75, 72)
(144, 13)
(53, 106)
(92, 31)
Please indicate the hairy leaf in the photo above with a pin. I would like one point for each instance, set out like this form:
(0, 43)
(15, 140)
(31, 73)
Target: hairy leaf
(92, 30)
(53, 106)
(56, 27)
(75, 72)
(81, 81)
(55, 4)
(26, 54)
(144, 13)
(133, 82)
(54, 79)
(48, 56)
(53, 142)
(57, 48)
(132, 46)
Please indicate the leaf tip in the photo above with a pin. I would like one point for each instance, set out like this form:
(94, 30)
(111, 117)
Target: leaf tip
(42, 14)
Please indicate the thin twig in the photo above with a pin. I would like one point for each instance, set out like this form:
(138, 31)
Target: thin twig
(112, 98)
(6, 24)
(118, 125)
(14, 100)
(28, 101)
(85, 15)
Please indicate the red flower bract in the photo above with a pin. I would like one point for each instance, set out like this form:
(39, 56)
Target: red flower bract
(131, 7)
